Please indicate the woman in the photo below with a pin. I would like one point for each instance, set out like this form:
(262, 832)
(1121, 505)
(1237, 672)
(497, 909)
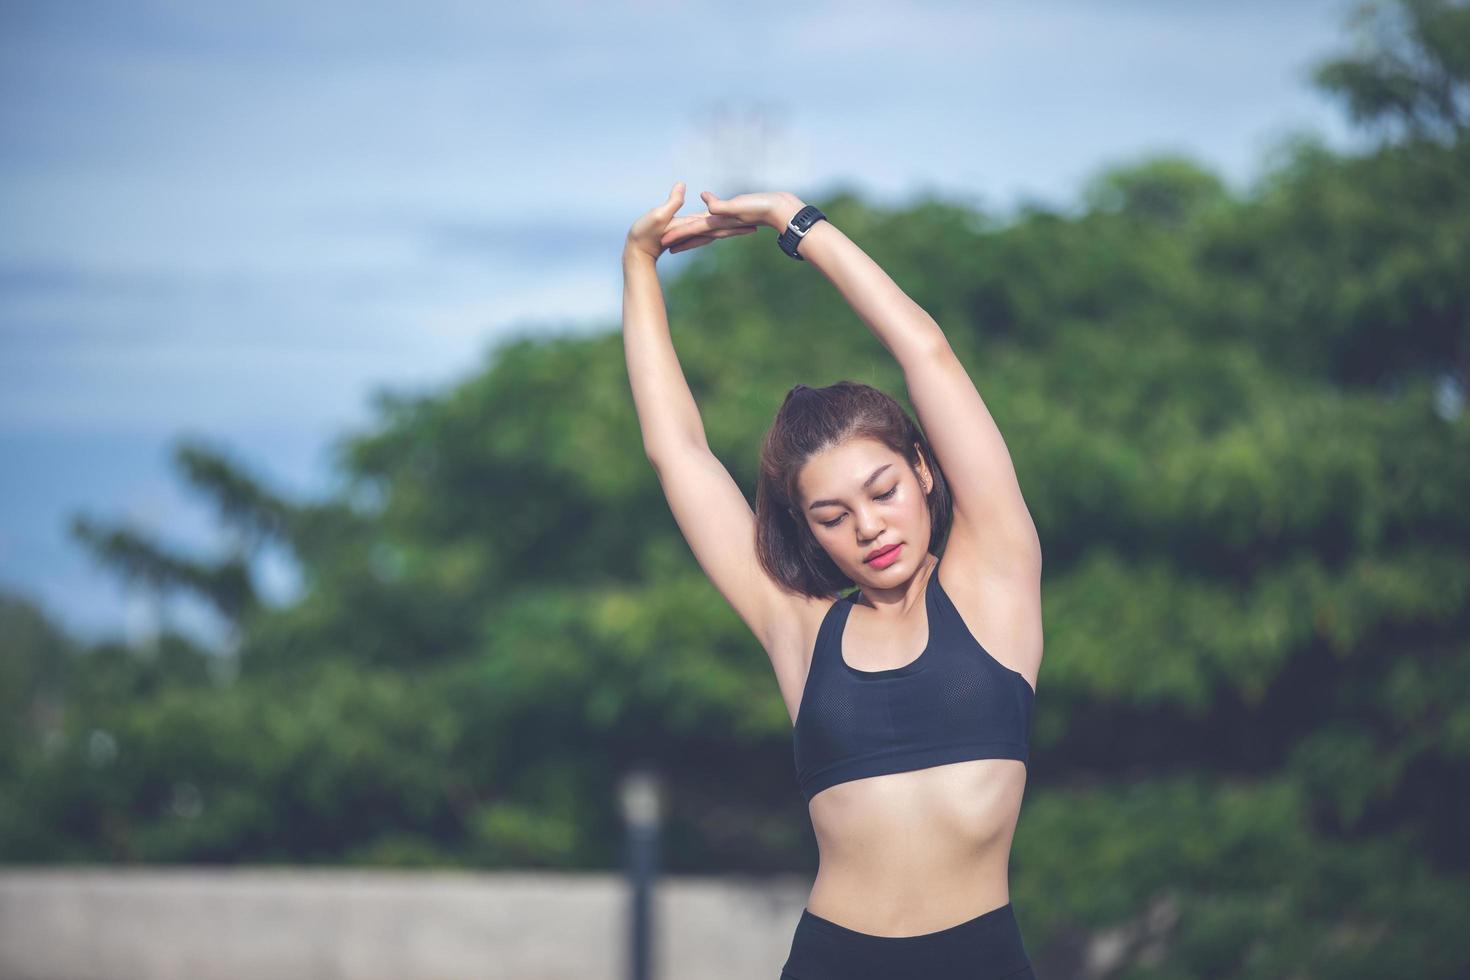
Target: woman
(911, 697)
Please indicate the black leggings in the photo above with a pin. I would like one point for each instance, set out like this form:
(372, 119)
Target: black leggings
(987, 947)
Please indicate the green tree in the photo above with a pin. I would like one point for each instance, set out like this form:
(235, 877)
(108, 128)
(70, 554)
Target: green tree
(1239, 425)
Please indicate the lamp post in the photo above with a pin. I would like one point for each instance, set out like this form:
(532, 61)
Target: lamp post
(641, 794)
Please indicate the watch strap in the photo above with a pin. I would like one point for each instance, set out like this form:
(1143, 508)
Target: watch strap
(796, 229)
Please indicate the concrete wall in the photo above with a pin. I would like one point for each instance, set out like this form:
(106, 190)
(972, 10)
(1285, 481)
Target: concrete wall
(217, 923)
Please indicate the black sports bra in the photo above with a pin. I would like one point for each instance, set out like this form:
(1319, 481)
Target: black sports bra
(951, 703)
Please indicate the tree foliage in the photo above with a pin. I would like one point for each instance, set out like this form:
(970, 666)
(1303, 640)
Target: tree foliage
(1238, 421)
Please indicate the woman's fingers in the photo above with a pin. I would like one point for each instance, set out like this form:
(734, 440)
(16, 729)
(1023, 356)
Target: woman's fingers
(646, 229)
(706, 220)
(701, 223)
(699, 240)
(692, 243)
(705, 239)
(673, 202)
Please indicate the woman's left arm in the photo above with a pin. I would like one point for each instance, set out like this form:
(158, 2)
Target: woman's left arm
(988, 505)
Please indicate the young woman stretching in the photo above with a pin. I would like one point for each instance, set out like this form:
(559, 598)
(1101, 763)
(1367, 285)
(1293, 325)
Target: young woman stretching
(911, 696)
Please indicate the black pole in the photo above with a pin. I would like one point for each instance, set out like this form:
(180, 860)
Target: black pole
(641, 793)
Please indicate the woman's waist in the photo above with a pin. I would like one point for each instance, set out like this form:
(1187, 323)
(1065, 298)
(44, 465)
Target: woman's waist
(908, 900)
(870, 858)
(953, 811)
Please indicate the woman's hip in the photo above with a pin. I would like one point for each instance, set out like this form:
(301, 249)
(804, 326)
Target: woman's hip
(986, 947)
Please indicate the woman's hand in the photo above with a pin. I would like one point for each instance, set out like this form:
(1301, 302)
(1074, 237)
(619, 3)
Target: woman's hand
(772, 209)
(658, 229)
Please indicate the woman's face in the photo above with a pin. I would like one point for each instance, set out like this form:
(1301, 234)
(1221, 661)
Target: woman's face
(861, 497)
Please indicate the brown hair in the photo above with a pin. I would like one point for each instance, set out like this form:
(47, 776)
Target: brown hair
(811, 421)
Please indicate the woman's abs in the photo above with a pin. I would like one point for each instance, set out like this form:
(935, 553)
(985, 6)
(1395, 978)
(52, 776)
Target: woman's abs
(914, 852)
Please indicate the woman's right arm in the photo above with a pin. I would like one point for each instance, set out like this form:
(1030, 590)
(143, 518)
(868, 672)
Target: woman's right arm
(667, 414)
(711, 511)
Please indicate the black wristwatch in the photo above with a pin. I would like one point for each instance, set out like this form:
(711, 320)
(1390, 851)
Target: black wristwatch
(796, 230)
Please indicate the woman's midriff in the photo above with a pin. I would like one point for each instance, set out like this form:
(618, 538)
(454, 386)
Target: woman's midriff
(909, 853)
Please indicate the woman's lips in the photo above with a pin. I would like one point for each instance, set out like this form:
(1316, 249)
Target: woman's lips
(886, 558)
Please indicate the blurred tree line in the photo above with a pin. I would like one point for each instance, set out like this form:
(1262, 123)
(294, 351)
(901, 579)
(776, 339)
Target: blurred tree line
(1238, 421)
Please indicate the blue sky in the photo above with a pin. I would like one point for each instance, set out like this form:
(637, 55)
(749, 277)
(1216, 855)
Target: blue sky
(233, 222)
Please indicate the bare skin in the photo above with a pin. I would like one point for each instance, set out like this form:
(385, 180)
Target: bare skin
(902, 854)
(909, 853)
(659, 230)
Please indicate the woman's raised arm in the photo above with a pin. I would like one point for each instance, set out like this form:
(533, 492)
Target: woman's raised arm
(708, 506)
(988, 507)
(667, 414)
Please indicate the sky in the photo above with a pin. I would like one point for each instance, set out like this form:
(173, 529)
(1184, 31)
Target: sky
(232, 223)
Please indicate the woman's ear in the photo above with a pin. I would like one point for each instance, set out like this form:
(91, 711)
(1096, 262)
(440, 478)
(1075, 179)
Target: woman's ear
(926, 478)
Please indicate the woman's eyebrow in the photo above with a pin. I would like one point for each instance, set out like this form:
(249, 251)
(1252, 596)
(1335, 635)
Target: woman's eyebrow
(866, 483)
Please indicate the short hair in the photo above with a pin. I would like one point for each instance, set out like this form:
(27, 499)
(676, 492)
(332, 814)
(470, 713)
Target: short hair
(811, 421)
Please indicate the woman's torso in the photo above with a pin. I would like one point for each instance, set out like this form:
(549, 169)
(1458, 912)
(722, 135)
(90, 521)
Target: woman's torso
(908, 853)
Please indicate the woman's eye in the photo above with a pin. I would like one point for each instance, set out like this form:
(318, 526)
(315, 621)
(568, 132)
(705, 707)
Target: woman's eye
(837, 520)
